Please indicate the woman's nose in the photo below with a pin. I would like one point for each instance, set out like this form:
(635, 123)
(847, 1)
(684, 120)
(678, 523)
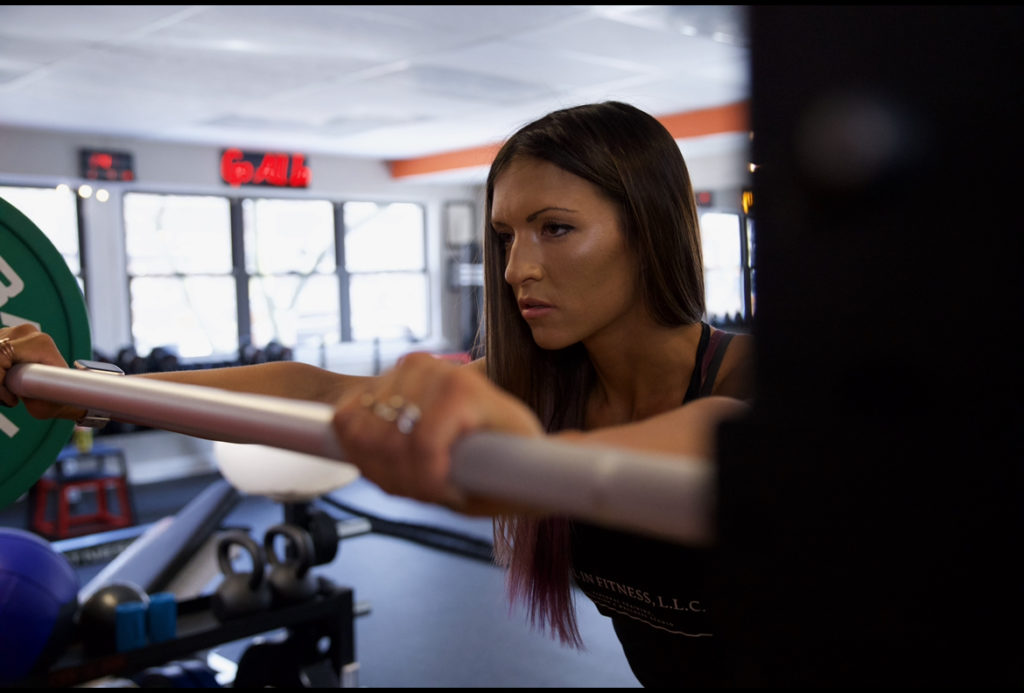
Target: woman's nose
(524, 262)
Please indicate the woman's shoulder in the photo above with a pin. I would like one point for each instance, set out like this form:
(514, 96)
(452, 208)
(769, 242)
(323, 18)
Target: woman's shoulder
(479, 365)
(736, 373)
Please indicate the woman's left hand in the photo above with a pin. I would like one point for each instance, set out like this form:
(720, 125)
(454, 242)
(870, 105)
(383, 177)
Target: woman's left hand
(399, 428)
(26, 344)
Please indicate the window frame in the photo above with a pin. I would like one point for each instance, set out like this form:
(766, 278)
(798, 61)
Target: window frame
(242, 276)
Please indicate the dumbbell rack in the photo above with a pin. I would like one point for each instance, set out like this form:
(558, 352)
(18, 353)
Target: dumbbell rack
(296, 661)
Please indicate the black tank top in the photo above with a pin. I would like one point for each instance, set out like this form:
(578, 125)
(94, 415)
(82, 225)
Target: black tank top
(654, 591)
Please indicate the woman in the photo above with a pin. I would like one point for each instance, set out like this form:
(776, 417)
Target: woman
(594, 298)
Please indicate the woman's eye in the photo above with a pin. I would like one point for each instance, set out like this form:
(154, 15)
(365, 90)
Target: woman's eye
(557, 229)
(505, 239)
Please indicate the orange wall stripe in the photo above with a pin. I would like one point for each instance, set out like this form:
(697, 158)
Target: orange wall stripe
(436, 163)
(709, 121)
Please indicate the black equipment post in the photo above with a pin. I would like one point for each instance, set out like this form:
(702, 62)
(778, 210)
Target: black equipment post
(870, 508)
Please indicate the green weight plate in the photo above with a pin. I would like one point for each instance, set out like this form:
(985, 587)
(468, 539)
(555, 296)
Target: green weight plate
(35, 286)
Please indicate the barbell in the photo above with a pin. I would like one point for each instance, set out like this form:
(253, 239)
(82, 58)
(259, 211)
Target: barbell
(661, 495)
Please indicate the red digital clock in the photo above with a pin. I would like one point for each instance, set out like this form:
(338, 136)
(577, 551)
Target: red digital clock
(100, 164)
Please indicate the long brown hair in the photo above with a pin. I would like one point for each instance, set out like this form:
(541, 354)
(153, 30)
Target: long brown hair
(634, 160)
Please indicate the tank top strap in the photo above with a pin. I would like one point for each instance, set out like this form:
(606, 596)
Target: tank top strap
(693, 391)
(713, 360)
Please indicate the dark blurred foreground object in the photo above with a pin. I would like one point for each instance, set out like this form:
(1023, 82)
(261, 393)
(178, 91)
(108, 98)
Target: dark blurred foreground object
(870, 507)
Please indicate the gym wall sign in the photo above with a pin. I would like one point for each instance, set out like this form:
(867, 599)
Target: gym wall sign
(99, 164)
(264, 168)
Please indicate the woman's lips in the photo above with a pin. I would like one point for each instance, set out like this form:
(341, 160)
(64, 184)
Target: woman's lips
(531, 309)
(536, 312)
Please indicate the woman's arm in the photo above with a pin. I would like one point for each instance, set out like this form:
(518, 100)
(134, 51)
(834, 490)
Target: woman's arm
(689, 430)
(288, 379)
(291, 379)
(456, 401)
(452, 402)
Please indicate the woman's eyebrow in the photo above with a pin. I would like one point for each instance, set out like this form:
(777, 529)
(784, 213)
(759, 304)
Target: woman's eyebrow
(548, 209)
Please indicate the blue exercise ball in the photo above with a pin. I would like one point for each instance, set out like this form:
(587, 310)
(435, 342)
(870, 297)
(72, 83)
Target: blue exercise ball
(38, 603)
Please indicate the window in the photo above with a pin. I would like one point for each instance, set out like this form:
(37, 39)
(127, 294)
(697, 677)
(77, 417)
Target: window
(291, 262)
(55, 212)
(207, 273)
(385, 263)
(723, 265)
(181, 284)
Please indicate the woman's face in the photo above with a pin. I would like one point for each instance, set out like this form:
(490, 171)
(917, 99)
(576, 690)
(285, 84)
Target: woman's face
(566, 257)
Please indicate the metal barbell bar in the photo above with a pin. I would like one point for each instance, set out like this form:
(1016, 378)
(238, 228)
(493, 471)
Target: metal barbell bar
(661, 495)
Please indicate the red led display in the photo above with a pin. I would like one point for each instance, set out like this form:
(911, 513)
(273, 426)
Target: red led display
(264, 168)
(98, 164)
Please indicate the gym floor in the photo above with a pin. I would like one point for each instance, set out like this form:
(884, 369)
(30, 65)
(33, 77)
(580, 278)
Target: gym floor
(435, 618)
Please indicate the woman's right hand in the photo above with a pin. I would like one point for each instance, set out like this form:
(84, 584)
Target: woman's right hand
(28, 345)
(446, 402)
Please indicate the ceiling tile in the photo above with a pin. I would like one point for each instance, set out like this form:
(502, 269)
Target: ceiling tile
(381, 81)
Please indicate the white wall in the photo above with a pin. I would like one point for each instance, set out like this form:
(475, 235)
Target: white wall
(34, 157)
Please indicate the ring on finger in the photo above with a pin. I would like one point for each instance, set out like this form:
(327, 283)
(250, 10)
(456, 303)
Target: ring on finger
(7, 348)
(385, 411)
(408, 415)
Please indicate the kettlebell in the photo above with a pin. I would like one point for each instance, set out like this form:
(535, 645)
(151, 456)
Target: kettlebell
(290, 577)
(240, 593)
